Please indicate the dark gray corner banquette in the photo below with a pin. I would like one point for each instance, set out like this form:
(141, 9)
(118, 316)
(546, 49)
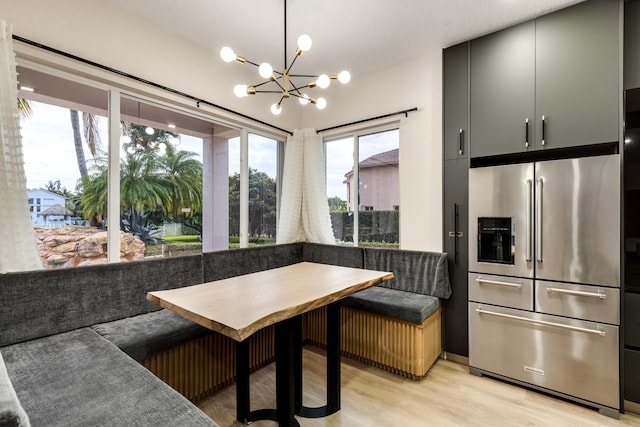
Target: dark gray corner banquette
(81, 346)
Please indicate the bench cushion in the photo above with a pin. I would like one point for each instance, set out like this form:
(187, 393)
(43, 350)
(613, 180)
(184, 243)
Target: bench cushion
(146, 334)
(79, 378)
(11, 412)
(408, 306)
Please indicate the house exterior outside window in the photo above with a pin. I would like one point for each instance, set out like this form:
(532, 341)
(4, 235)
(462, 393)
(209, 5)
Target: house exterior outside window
(379, 183)
(39, 201)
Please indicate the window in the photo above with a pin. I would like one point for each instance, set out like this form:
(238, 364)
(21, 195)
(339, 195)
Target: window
(263, 200)
(57, 146)
(366, 208)
(339, 164)
(161, 178)
(180, 172)
(261, 174)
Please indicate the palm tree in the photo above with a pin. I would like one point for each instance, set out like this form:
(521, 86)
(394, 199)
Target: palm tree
(142, 184)
(94, 194)
(91, 135)
(182, 176)
(24, 108)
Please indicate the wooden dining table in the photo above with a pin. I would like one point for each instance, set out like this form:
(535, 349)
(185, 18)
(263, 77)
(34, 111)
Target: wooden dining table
(239, 306)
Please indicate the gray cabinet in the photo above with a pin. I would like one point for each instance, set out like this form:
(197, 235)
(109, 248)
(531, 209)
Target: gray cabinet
(455, 218)
(559, 72)
(456, 101)
(577, 74)
(503, 91)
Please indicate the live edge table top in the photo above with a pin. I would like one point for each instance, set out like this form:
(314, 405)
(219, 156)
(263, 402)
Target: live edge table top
(239, 306)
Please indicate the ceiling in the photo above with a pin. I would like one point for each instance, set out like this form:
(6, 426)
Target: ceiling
(361, 36)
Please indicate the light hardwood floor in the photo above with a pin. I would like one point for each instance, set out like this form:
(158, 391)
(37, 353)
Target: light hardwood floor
(448, 396)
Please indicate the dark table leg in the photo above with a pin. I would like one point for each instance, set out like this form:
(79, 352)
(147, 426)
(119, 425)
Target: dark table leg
(243, 402)
(287, 342)
(285, 370)
(333, 369)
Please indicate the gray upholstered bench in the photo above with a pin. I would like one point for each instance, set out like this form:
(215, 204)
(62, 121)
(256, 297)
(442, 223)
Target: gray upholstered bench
(78, 378)
(396, 325)
(402, 305)
(146, 334)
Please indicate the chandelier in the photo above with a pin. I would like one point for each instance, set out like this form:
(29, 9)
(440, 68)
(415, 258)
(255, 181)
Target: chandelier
(282, 82)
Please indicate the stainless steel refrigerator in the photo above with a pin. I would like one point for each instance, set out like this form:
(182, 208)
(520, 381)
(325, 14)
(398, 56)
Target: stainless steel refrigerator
(544, 276)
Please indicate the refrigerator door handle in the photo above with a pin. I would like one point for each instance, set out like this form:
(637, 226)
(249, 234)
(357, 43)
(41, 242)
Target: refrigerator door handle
(480, 280)
(598, 294)
(542, 322)
(539, 221)
(529, 224)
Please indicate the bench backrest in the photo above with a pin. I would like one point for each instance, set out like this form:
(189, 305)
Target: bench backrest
(34, 304)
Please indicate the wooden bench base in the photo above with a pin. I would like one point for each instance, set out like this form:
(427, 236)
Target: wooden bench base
(400, 347)
(204, 365)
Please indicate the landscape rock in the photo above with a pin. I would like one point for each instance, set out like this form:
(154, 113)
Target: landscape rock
(75, 246)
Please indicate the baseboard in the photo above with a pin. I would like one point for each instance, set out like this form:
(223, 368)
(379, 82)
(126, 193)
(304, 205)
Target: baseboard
(463, 360)
(632, 407)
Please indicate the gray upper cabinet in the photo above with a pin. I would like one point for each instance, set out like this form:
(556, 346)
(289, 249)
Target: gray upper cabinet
(563, 67)
(502, 90)
(577, 74)
(456, 101)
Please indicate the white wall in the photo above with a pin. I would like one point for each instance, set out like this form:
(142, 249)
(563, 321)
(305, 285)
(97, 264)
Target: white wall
(416, 83)
(96, 31)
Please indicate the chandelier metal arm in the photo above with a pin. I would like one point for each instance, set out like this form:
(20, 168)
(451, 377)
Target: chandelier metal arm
(283, 78)
(294, 61)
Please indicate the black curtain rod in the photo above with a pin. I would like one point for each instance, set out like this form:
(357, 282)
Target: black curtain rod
(397, 113)
(141, 80)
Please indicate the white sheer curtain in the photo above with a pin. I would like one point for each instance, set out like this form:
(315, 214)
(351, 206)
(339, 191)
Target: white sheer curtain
(17, 240)
(304, 210)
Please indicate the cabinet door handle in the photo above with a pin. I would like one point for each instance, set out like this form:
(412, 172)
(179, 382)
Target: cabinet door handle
(461, 142)
(455, 230)
(526, 132)
(539, 221)
(598, 294)
(499, 283)
(542, 322)
(529, 223)
(543, 131)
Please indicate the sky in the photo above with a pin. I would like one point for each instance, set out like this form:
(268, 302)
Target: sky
(49, 152)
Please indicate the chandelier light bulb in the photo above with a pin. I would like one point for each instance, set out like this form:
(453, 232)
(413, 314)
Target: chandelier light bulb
(149, 130)
(126, 139)
(304, 43)
(304, 99)
(344, 77)
(323, 81)
(227, 54)
(265, 70)
(131, 150)
(240, 90)
(276, 109)
(321, 103)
